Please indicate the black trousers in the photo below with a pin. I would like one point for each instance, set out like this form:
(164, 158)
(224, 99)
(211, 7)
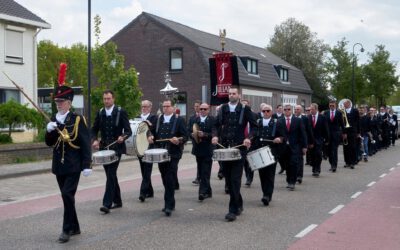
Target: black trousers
(112, 193)
(316, 158)
(146, 188)
(168, 170)
(247, 170)
(349, 150)
(233, 171)
(267, 178)
(205, 164)
(68, 185)
(334, 141)
(300, 168)
(291, 161)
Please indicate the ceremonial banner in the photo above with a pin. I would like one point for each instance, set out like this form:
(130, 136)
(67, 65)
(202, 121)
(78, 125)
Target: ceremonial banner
(223, 74)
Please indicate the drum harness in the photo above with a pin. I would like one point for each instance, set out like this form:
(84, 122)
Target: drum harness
(116, 119)
(173, 125)
(260, 125)
(222, 110)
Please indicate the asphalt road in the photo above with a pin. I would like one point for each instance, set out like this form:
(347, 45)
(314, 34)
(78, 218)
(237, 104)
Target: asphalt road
(31, 210)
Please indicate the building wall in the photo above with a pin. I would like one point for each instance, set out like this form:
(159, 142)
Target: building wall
(146, 46)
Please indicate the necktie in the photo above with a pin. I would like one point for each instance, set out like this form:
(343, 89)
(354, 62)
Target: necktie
(332, 115)
(288, 123)
(313, 121)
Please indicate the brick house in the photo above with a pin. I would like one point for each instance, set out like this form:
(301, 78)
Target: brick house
(154, 45)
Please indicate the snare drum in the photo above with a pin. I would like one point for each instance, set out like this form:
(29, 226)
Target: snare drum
(260, 158)
(227, 154)
(104, 157)
(156, 155)
(137, 143)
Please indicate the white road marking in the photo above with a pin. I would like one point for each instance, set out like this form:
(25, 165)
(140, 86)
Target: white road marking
(306, 231)
(391, 169)
(336, 209)
(356, 195)
(383, 175)
(398, 164)
(371, 183)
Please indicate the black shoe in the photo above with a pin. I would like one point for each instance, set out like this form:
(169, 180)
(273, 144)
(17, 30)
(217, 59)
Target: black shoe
(196, 182)
(352, 166)
(281, 171)
(265, 200)
(291, 187)
(201, 197)
(315, 174)
(230, 217)
(105, 210)
(346, 166)
(142, 198)
(116, 206)
(177, 187)
(248, 183)
(74, 232)
(149, 195)
(365, 159)
(299, 180)
(240, 211)
(167, 211)
(64, 237)
(220, 176)
(226, 190)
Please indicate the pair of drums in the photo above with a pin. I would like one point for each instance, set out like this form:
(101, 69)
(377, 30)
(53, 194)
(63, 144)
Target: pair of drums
(257, 159)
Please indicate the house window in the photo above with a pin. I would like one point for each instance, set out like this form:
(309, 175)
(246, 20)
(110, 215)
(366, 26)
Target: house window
(14, 46)
(283, 75)
(8, 94)
(175, 56)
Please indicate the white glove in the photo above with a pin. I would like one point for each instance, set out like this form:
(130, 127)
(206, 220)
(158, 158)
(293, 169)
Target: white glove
(86, 172)
(51, 126)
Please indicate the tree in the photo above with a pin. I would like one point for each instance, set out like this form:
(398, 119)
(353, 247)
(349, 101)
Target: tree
(380, 73)
(14, 114)
(49, 58)
(295, 43)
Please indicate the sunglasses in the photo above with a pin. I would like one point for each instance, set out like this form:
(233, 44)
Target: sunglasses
(266, 111)
(287, 109)
(203, 109)
(307, 110)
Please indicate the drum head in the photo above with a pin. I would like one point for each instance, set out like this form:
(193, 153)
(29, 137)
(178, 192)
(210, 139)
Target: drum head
(104, 153)
(156, 151)
(141, 138)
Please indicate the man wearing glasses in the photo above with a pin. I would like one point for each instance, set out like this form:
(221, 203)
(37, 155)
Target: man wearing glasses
(146, 189)
(203, 149)
(172, 130)
(270, 132)
(296, 145)
(336, 126)
(232, 119)
(192, 118)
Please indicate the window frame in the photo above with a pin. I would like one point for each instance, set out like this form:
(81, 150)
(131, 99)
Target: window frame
(171, 51)
(12, 53)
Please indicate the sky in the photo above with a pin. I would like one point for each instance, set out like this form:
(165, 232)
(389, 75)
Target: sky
(368, 22)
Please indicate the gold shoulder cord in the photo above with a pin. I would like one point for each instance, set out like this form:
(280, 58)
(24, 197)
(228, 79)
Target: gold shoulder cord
(73, 135)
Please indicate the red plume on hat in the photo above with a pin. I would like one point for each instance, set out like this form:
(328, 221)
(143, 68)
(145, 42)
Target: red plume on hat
(61, 74)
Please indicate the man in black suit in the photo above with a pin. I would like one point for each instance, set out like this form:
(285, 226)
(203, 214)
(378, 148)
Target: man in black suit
(146, 188)
(113, 124)
(296, 145)
(192, 118)
(321, 136)
(351, 134)
(298, 112)
(203, 149)
(172, 130)
(336, 126)
(271, 133)
(247, 170)
(232, 119)
(393, 126)
(71, 155)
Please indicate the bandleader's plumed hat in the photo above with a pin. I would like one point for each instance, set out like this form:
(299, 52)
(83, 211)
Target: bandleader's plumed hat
(62, 91)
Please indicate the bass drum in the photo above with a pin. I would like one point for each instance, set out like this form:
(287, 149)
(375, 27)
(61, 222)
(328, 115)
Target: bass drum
(137, 143)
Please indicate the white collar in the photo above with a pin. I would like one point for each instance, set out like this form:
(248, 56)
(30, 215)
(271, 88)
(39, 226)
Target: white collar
(203, 118)
(266, 121)
(144, 116)
(109, 110)
(61, 117)
(167, 118)
(232, 107)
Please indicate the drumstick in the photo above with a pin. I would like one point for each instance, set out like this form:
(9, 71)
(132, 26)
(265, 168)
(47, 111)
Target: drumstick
(167, 139)
(222, 146)
(261, 139)
(109, 145)
(238, 146)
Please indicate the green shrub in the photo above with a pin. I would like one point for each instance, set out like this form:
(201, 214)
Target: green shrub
(4, 139)
(40, 136)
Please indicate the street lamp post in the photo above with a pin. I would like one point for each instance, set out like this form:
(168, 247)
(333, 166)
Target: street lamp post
(352, 76)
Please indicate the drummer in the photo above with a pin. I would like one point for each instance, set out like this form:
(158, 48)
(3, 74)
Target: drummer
(271, 133)
(146, 189)
(232, 119)
(203, 149)
(172, 130)
(113, 124)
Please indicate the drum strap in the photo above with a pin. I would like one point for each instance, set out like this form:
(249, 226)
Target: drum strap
(158, 123)
(241, 115)
(174, 126)
(274, 128)
(118, 115)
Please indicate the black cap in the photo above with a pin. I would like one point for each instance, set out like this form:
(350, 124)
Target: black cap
(64, 92)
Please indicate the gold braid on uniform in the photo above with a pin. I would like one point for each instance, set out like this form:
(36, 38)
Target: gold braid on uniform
(73, 135)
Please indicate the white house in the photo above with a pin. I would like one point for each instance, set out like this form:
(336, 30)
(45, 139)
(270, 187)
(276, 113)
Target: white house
(19, 28)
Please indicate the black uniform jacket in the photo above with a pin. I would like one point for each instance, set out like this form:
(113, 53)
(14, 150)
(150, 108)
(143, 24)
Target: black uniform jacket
(77, 154)
(109, 133)
(275, 129)
(204, 147)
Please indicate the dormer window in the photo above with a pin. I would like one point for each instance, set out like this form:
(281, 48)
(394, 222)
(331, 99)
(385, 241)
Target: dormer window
(250, 64)
(283, 72)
